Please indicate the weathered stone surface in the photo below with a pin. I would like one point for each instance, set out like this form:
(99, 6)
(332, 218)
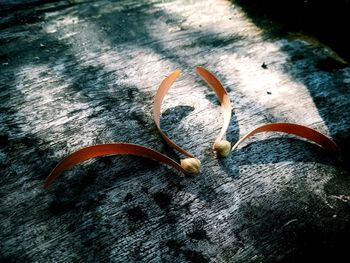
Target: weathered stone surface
(76, 73)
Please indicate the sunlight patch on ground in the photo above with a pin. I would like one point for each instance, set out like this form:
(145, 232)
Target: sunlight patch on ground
(270, 87)
(49, 112)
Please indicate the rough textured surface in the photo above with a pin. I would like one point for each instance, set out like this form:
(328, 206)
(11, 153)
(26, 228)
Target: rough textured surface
(75, 73)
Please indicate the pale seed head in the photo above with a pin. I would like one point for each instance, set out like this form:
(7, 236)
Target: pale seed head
(191, 165)
(222, 148)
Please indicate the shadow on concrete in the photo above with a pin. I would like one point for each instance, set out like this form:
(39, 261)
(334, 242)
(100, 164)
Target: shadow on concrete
(79, 205)
(325, 20)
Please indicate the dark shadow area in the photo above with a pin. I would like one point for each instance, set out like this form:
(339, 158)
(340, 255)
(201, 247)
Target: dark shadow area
(277, 150)
(328, 21)
(232, 134)
(170, 119)
(212, 40)
(15, 258)
(295, 225)
(15, 13)
(173, 116)
(76, 200)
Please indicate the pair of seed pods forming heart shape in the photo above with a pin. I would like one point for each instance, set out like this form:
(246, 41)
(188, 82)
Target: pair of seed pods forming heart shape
(190, 165)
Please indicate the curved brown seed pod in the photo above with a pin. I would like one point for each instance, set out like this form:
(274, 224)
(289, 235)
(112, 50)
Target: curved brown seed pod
(105, 150)
(221, 147)
(190, 164)
(296, 129)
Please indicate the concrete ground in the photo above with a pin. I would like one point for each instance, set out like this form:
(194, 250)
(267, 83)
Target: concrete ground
(76, 73)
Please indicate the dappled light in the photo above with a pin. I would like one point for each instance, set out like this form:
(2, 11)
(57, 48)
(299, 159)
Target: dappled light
(80, 73)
